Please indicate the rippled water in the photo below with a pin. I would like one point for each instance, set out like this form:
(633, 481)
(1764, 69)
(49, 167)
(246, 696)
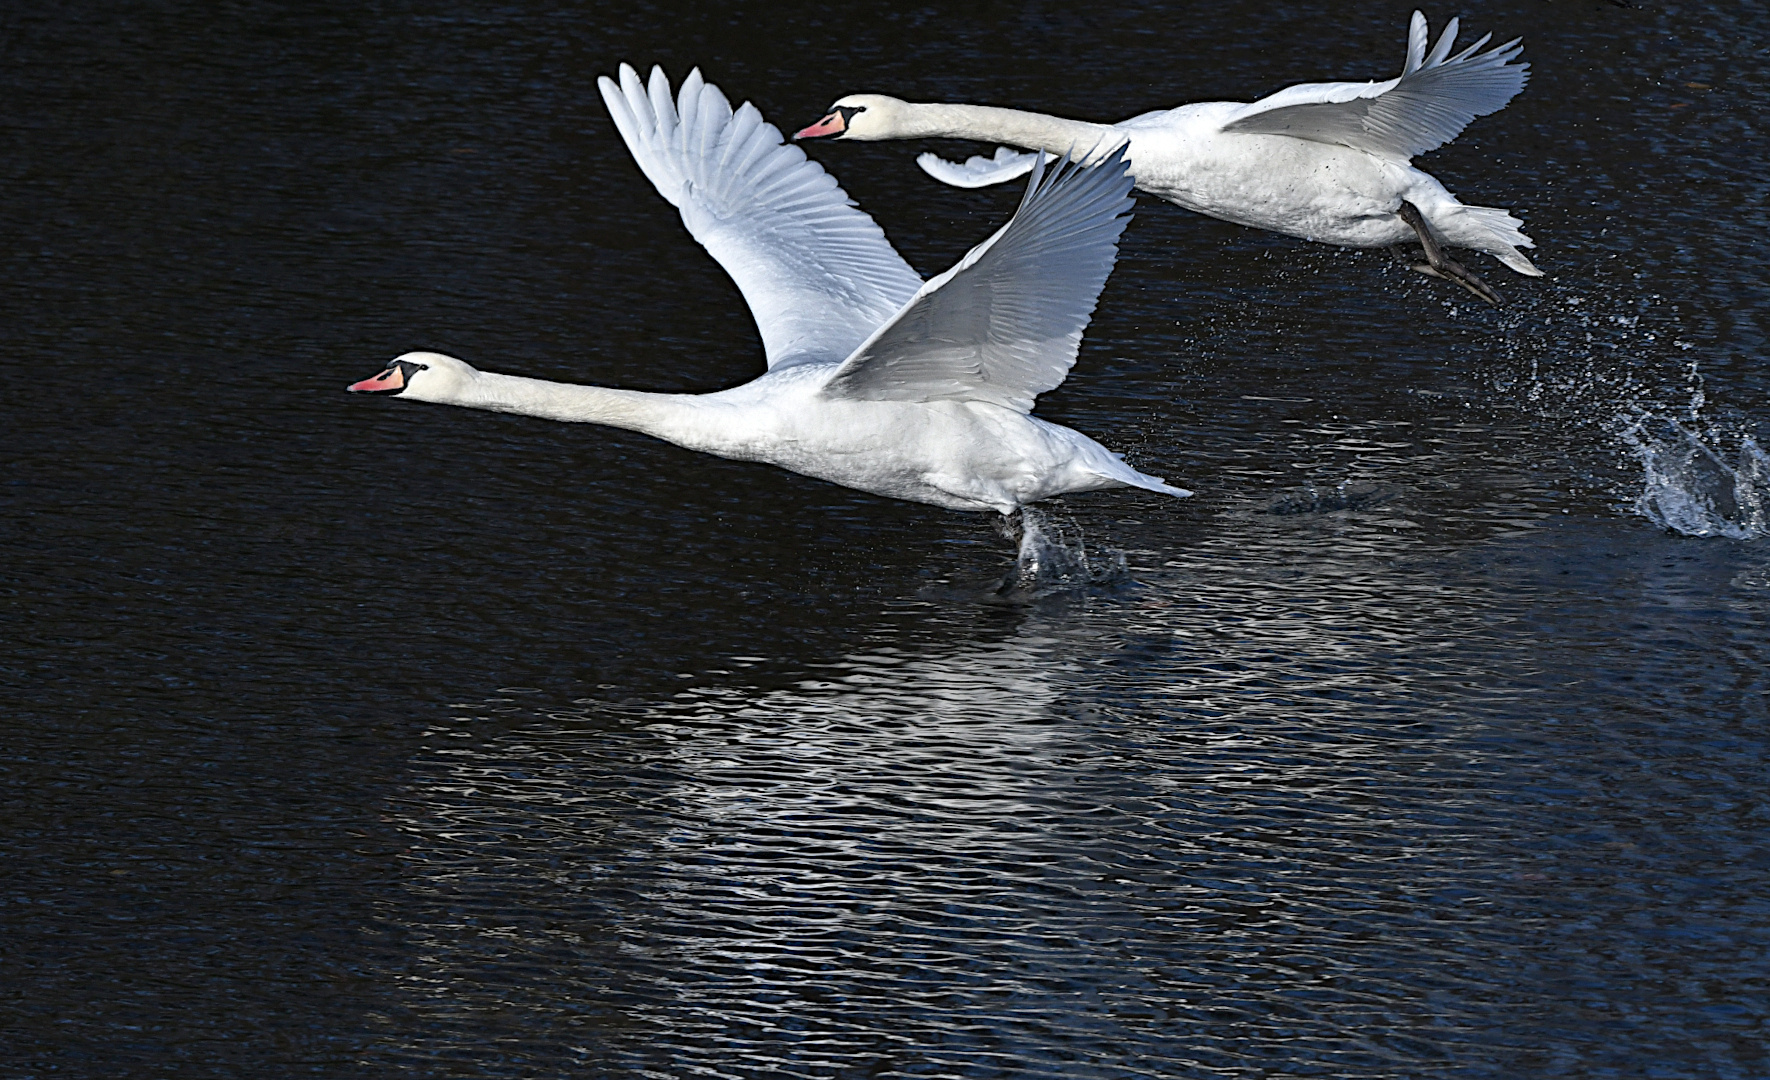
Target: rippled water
(355, 737)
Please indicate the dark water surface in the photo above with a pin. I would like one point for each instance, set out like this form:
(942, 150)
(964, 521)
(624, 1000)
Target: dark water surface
(356, 737)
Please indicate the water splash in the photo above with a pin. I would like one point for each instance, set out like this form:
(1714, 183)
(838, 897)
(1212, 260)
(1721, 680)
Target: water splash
(1689, 488)
(1578, 355)
(1623, 365)
(1053, 557)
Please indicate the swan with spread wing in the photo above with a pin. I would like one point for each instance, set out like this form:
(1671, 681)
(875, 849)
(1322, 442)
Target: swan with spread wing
(1324, 161)
(876, 379)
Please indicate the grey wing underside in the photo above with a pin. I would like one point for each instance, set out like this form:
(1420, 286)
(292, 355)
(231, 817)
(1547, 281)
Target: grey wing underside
(817, 272)
(1435, 98)
(1005, 324)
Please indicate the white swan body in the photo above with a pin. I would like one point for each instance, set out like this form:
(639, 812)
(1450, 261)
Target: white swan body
(1329, 162)
(876, 380)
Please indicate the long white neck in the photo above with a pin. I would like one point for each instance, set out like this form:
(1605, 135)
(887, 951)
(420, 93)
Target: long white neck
(985, 123)
(667, 416)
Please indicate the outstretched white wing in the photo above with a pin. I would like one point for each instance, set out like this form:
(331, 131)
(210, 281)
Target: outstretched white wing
(978, 172)
(1005, 323)
(1429, 105)
(818, 274)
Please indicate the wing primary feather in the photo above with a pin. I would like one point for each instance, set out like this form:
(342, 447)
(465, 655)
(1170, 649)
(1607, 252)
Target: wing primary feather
(1417, 33)
(662, 108)
(688, 97)
(618, 112)
(744, 123)
(1435, 98)
(1035, 182)
(1471, 50)
(631, 91)
(1445, 41)
(818, 274)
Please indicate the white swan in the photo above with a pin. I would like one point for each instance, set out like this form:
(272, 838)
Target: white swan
(875, 379)
(1323, 161)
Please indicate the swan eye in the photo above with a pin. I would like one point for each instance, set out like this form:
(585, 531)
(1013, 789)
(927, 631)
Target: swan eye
(848, 112)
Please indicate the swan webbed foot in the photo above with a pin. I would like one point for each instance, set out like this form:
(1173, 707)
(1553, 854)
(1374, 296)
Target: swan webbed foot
(1413, 259)
(1020, 528)
(1438, 264)
(1011, 527)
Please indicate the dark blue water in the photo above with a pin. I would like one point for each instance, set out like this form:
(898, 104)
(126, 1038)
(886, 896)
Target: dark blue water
(361, 737)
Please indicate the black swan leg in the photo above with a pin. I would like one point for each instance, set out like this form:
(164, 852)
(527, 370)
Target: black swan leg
(1409, 258)
(1013, 528)
(1437, 263)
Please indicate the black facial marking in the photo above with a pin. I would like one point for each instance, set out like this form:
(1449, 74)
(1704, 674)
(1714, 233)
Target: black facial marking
(406, 369)
(846, 112)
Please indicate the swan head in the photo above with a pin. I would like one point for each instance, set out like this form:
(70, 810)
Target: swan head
(423, 376)
(859, 116)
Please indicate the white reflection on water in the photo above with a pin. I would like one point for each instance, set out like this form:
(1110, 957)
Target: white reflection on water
(953, 842)
(876, 722)
(690, 854)
(1303, 788)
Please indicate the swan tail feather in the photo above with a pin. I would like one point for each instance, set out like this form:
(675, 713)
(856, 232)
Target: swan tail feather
(1157, 484)
(1122, 473)
(1495, 231)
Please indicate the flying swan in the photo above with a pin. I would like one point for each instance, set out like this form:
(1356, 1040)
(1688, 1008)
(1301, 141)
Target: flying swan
(876, 379)
(1323, 161)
